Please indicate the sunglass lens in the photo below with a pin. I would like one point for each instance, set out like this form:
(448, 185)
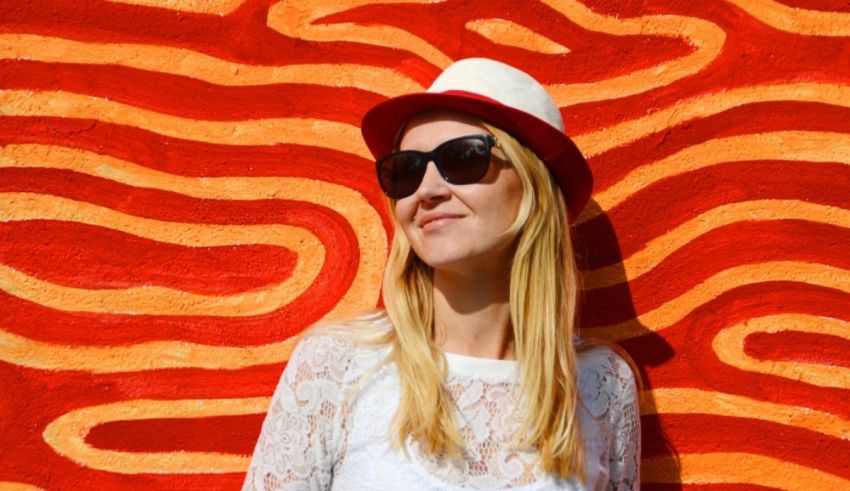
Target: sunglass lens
(465, 160)
(400, 174)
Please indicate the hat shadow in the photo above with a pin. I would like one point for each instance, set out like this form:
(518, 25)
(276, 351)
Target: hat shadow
(597, 246)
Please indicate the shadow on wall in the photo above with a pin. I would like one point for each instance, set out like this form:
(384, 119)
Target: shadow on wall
(596, 246)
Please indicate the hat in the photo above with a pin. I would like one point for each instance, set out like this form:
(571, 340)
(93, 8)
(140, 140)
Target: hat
(504, 96)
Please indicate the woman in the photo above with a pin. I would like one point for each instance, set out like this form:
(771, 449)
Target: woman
(470, 379)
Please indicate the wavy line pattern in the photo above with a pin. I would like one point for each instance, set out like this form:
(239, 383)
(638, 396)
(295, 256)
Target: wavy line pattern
(220, 7)
(729, 344)
(675, 309)
(192, 64)
(508, 33)
(67, 433)
(705, 37)
(350, 205)
(662, 247)
(797, 20)
(703, 106)
(320, 133)
(715, 249)
(152, 300)
(299, 20)
(747, 468)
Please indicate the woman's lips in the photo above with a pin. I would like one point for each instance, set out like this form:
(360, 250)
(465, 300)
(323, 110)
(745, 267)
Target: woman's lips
(436, 220)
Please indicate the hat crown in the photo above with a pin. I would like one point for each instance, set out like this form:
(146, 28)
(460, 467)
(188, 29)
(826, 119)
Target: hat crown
(502, 83)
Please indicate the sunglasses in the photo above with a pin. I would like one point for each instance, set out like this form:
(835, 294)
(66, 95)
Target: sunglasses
(463, 160)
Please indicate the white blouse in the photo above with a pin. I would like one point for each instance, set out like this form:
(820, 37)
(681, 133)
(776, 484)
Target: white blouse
(328, 425)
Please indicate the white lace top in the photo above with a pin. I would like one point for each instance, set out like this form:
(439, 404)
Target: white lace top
(316, 437)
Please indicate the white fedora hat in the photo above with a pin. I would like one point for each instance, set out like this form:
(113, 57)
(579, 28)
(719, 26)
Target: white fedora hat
(504, 96)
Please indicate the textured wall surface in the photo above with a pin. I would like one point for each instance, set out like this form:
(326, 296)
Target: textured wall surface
(183, 189)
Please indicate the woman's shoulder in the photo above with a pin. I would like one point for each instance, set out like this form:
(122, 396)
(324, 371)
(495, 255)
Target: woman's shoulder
(341, 348)
(606, 379)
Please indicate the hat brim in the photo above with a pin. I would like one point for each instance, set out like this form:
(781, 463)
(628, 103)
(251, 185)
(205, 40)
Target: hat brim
(381, 124)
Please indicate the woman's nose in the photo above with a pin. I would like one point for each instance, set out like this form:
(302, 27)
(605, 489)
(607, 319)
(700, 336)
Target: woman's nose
(433, 185)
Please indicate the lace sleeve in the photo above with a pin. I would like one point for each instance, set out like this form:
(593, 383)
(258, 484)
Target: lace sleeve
(609, 392)
(297, 444)
(624, 464)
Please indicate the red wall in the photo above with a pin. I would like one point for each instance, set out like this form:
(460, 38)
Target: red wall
(183, 189)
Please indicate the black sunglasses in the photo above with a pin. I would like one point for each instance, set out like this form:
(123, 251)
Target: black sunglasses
(461, 160)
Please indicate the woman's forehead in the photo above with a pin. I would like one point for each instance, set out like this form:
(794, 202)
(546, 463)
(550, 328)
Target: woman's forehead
(434, 127)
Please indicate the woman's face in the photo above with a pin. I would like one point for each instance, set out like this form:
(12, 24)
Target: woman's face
(458, 226)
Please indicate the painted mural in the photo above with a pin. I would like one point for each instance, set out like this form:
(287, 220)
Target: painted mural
(183, 189)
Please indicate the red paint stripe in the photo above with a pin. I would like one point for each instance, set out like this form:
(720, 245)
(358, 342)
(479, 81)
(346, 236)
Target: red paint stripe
(810, 449)
(165, 205)
(73, 328)
(822, 5)
(171, 94)
(798, 346)
(79, 389)
(84, 256)
(228, 434)
(724, 434)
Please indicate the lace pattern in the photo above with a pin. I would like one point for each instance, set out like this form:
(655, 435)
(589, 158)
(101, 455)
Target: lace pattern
(327, 426)
(485, 415)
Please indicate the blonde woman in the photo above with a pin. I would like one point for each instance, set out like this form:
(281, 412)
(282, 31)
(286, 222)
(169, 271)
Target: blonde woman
(471, 378)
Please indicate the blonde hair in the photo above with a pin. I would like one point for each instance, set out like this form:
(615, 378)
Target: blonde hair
(543, 300)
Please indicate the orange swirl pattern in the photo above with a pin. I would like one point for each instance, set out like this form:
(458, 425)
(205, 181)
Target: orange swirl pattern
(183, 190)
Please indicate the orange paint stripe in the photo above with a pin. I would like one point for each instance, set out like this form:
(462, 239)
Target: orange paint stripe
(220, 7)
(200, 66)
(297, 20)
(139, 357)
(728, 344)
(66, 435)
(157, 300)
(509, 33)
(807, 146)
(361, 296)
(707, 39)
(18, 486)
(703, 106)
(697, 401)
(659, 248)
(796, 20)
(303, 131)
(674, 310)
(738, 468)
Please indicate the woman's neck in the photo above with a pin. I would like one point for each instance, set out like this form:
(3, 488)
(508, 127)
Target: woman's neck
(472, 313)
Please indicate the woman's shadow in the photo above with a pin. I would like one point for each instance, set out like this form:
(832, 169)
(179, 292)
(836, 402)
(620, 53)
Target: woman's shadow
(596, 246)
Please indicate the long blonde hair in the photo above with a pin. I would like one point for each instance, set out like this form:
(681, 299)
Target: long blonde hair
(543, 301)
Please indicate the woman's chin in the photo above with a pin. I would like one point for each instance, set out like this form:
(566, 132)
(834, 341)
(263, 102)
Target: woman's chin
(458, 262)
